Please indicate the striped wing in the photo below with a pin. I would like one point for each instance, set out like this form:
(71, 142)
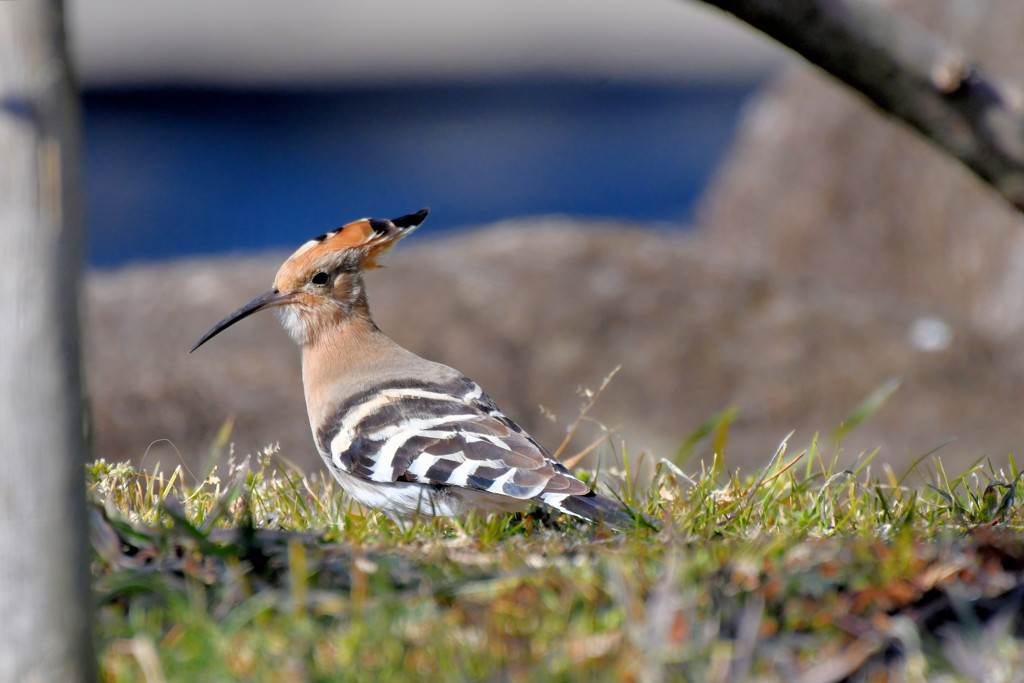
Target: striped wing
(443, 434)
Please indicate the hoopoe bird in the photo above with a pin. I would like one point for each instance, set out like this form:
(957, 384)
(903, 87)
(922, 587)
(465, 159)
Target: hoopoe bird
(401, 434)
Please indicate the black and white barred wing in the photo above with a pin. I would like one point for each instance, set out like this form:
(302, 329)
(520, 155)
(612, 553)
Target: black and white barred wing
(444, 434)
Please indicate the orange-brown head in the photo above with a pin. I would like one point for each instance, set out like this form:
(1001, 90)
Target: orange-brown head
(322, 281)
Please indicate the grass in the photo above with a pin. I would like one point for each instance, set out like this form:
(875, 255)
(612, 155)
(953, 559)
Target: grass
(802, 571)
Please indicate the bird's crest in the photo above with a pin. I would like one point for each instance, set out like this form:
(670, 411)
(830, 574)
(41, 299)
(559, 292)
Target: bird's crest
(356, 245)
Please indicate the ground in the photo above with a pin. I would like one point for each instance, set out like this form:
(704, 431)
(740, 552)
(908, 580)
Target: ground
(797, 571)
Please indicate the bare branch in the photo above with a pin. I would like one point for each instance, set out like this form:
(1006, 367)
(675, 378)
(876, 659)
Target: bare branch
(909, 73)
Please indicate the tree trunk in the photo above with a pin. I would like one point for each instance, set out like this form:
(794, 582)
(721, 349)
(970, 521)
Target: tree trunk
(44, 588)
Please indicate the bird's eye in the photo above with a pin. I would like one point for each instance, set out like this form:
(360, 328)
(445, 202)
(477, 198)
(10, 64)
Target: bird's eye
(320, 278)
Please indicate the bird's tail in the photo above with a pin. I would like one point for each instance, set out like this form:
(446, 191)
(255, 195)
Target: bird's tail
(596, 508)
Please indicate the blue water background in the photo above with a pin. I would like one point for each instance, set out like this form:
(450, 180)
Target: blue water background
(173, 172)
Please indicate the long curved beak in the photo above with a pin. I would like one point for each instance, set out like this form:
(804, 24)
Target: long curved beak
(265, 300)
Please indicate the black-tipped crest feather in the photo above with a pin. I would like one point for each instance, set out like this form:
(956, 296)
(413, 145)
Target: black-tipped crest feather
(412, 219)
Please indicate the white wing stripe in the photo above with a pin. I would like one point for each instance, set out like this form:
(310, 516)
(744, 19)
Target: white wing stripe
(555, 501)
(416, 426)
(473, 394)
(345, 437)
(419, 466)
(386, 453)
(384, 464)
(489, 438)
(497, 486)
(385, 457)
(460, 475)
(351, 419)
